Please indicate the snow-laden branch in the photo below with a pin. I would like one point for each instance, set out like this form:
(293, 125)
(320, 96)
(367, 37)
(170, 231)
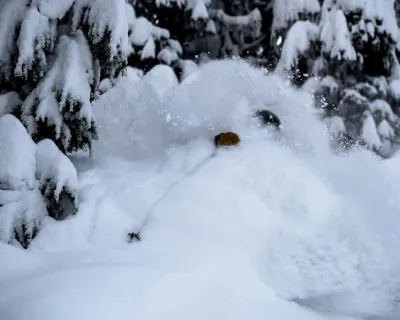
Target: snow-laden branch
(104, 17)
(285, 12)
(37, 35)
(335, 37)
(298, 41)
(242, 21)
(11, 15)
(62, 99)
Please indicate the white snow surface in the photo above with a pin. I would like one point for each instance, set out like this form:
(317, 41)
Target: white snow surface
(276, 228)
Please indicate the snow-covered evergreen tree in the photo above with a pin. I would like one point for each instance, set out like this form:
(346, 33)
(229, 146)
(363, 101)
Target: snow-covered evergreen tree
(203, 27)
(35, 181)
(53, 54)
(351, 49)
(285, 14)
(152, 45)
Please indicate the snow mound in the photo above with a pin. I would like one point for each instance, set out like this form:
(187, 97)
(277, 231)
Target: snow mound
(17, 150)
(161, 78)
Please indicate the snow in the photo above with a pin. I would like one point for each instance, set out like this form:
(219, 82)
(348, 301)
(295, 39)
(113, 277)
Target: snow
(11, 15)
(354, 97)
(286, 12)
(9, 102)
(199, 11)
(109, 16)
(335, 36)
(353, 5)
(21, 214)
(176, 46)
(149, 49)
(330, 83)
(381, 85)
(34, 36)
(54, 9)
(130, 16)
(252, 19)
(237, 99)
(335, 125)
(161, 78)
(210, 27)
(394, 89)
(141, 31)
(21, 205)
(369, 132)
(123, 113)
(53, 165)
(17, 161)
(298, 41)
(144, 29)
(383, 107)
(104, 85)
(385, 130)
(167, 56)
(188, 67)
(70, 77)
(384, 11)
(276, 228)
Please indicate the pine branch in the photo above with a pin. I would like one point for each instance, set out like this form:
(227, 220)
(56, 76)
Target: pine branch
(243, 21)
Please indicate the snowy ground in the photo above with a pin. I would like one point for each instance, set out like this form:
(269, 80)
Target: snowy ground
(277, 228)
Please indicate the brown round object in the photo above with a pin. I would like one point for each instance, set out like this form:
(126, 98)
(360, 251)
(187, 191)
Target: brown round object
(226, 139)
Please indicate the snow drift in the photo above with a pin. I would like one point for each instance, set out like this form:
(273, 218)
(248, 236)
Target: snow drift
(264, 230)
